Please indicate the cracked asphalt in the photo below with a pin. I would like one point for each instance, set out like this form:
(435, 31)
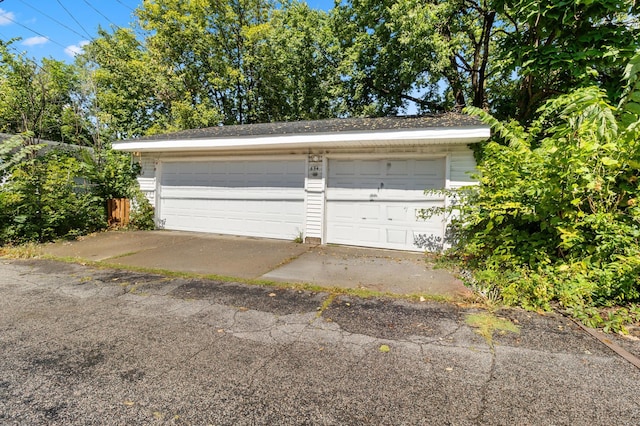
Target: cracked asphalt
(80, 345)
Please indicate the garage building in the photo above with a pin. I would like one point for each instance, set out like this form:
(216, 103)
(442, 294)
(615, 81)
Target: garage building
(356, 181)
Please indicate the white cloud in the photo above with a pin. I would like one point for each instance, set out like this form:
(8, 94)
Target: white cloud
(6, 18)
(74, 50)
(33, 41)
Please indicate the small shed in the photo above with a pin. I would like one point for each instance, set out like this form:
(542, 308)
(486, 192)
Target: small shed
(355, 181)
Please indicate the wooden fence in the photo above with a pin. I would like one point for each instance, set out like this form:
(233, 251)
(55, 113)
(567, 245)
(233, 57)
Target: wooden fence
(118, 212)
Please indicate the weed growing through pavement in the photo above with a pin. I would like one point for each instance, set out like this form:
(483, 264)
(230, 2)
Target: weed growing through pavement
(486, 324)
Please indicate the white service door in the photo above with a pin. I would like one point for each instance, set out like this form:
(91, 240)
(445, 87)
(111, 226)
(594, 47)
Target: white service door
(253, 198)
(377, 203)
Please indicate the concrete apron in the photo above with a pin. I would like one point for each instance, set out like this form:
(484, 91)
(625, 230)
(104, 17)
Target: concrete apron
(259, 258)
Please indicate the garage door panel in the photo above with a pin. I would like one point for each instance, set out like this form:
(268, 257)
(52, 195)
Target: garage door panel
(281, 174)
(241, 217)
(397, 167)
(217, 193)
(369, 234)
(256, 198)
(381, 209)
(398, 213)
(368, 212)
(397, 236)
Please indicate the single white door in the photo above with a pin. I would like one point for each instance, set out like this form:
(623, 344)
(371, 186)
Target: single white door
(377, 203)
(254, 198)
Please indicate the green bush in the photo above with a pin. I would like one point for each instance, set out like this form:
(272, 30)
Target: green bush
(62, 193)
(43, 199)
(142, 212)
(112, 173)
(556, 216)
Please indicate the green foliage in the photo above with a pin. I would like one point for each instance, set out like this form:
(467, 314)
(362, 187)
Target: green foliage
(44, 198)
(62, 192)
(254, 61)
(487, 324)
(37, 98)
(555, 46)
(243, 61)
(123, 84)
(508, 56)
(556, 218)
(142, 213)
(609, 319)
(14, 150)
(113, 174)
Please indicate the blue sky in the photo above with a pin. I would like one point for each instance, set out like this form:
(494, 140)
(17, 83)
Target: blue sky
(59, 28)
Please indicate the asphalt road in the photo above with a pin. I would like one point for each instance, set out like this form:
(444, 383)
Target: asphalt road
(87, 346)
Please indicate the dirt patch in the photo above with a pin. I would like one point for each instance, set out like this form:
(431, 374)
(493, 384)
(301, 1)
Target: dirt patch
(267, 299)
(392, 318)
(49, 266)
(68, 362)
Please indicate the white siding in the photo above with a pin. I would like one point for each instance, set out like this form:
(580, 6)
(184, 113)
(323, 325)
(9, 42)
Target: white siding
(463, 165)
(314, 208)
(147, 179)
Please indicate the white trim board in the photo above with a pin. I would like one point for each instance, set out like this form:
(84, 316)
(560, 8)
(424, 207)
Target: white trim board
(432, 136)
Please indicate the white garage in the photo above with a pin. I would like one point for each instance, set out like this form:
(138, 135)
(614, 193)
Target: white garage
(255, 198)
(357, 181)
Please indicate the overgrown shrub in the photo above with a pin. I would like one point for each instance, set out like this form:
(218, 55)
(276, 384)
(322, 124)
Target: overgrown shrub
(44, 198)
(556, 216)
(63, 192)
(112, 173)
(142, 213)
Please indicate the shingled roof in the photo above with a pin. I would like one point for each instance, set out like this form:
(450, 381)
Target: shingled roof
(335, 125)
(49, 145)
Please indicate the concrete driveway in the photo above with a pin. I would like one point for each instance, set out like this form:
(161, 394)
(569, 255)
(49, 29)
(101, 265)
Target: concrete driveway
(266, 259)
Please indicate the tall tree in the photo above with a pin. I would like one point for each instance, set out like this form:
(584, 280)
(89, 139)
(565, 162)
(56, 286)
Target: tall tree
(433, 53)
(234, 62)
(447, 54)
(555, 46)
(297, 64)
(37, 98)
(124, 87)
(213, 63)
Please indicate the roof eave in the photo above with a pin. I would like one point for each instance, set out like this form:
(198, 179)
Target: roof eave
(432, 136)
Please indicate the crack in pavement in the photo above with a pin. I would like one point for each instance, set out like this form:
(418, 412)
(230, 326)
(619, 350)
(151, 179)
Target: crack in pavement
(260, 326)
(432, 362)
(478, 419)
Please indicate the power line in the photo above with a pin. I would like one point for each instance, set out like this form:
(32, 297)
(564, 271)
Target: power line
(119, 1)
(32, 30)
(101, 14)
(74, 18)
(52, 18)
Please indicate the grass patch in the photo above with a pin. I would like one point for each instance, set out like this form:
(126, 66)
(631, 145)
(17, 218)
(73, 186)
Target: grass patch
(129, 253)
(325, 304)
(335, 291)
(23, 251)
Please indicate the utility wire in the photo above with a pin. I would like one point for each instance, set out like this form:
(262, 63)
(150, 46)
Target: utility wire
(119, 1)
(74, 18)
(33, 31)
(101, 14)
(52, 18)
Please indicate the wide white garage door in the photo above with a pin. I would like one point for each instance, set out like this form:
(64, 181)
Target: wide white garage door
(254, 198)
(376, 203)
